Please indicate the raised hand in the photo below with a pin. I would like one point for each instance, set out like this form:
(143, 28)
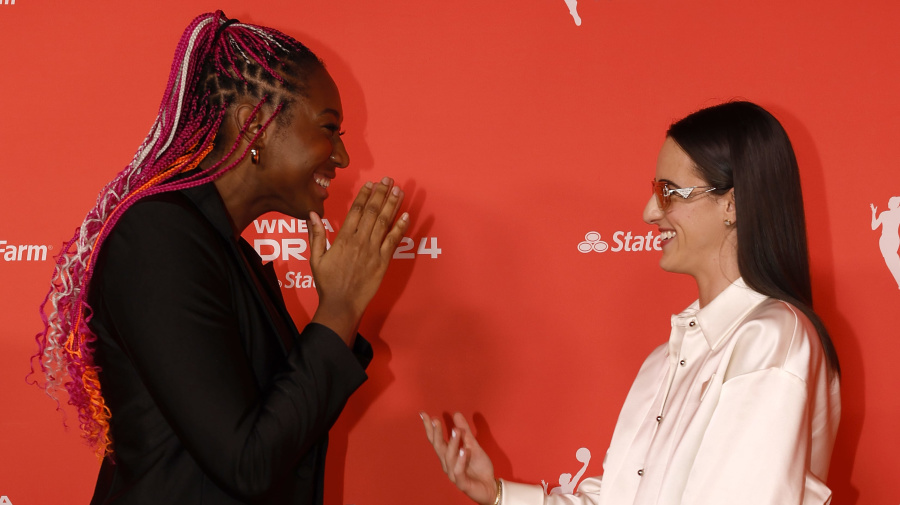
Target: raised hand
(463, 459)
(348, 274)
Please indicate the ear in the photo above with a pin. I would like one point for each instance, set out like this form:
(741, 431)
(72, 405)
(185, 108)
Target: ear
(243, 114)
(729, 206)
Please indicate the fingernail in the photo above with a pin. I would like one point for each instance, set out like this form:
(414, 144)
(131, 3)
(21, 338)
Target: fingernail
(422, 416)
(405, 216)
(434, 423)
(395, 191)
(369, 185)
(462, 452)
(453, 433)
(386, 181)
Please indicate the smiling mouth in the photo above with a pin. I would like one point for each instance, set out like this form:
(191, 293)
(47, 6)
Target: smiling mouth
(668, 234)
(323, 181)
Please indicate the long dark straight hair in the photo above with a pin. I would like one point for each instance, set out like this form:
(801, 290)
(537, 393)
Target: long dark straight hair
(740, 145)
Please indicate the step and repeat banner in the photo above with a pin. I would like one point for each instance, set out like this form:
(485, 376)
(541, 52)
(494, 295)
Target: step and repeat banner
(527, 292)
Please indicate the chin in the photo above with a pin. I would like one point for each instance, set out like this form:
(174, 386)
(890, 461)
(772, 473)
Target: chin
(670, 266)
(670, 270)
(665, 264)
(303, 213)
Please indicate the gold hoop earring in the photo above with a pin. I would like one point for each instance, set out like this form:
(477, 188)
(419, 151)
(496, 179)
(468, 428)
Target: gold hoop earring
(254, 156)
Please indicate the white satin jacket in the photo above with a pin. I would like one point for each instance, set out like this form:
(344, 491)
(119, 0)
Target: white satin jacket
(737, 408)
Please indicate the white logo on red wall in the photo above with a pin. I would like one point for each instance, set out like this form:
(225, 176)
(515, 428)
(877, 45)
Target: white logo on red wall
(573, 11)
(622, 241)
(288, 240)
(5, 501)
(567, 482)
(23, 252)
(889, 243)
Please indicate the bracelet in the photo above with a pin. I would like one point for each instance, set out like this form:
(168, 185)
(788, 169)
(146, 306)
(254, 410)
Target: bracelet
(499, 497)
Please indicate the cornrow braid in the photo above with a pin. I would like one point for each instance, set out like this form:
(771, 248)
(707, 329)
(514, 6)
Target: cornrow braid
(217, 61)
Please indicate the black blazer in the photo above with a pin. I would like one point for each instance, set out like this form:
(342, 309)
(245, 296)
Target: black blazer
(216, 398)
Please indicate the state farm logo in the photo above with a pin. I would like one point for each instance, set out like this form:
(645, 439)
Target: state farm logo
(23, 252)
(622, 241)
(592, 242)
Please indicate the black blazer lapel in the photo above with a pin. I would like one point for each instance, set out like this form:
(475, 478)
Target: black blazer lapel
(210, 204)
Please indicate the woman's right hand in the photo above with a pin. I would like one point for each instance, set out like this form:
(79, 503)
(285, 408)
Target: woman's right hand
(348, 274)
(463, 459)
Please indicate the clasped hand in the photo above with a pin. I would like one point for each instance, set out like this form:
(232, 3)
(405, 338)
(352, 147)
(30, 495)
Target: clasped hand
(462, 458)
(348, 274)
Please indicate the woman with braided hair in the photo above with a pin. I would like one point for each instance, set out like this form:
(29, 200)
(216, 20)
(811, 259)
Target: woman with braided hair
(169, 336)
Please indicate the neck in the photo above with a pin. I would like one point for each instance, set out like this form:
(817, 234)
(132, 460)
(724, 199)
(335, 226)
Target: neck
(709, 289)
(235, 191)
(721, 274)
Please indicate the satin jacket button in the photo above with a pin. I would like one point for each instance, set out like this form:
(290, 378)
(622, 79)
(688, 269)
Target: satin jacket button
(692, 324)
(658, 418)
(682, 362)
(641, 472)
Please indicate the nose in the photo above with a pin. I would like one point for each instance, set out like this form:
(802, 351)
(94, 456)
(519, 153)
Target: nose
(652, 212)
(339, 154)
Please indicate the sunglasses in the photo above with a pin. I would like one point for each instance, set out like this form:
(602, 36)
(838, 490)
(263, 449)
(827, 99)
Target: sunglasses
(664, 194)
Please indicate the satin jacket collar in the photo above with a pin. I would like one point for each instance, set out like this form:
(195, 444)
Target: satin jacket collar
(721, 315)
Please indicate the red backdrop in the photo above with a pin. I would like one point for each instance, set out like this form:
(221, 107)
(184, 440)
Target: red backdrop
(516, 133)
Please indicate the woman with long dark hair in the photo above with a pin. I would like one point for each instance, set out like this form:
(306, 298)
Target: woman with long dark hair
(164, 328)
(741, 405)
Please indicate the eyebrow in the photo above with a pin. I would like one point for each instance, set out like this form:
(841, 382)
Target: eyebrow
(670, 183)
(331, 111)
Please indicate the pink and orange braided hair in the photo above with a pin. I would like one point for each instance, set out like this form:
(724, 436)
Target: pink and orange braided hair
(217, 61)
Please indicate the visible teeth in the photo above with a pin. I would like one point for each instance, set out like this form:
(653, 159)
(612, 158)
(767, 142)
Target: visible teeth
(666, 235)
(323, 181)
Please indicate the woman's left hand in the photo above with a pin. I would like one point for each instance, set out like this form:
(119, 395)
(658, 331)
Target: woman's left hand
(463, 459)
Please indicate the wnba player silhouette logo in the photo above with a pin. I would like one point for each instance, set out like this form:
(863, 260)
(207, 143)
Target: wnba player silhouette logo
(567, 483)
(573, 10)
(889, 221)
